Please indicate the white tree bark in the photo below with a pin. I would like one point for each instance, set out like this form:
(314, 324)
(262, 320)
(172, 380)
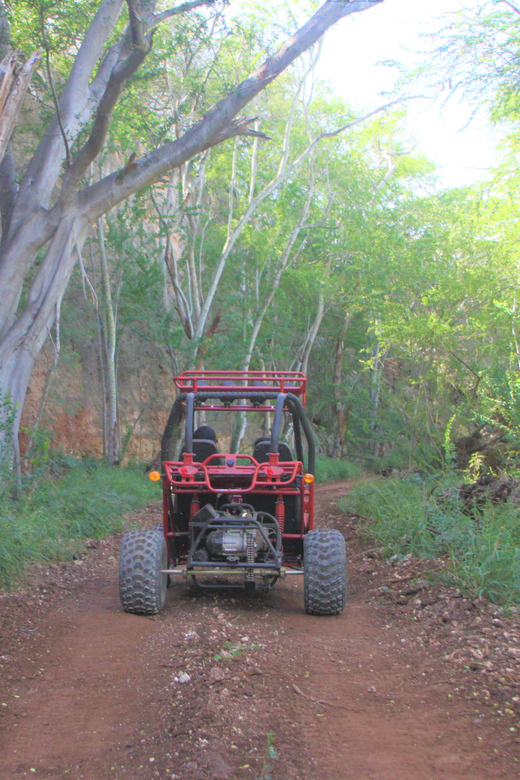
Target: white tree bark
(88, 98)
(13, 86)
(313, 332)
(113, 438)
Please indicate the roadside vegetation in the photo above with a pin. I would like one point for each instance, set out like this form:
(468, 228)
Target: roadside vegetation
(333, 470)
(59, 508)
(426, 518)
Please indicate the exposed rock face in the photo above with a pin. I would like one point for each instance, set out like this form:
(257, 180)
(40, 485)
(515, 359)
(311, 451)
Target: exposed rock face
(73, 414)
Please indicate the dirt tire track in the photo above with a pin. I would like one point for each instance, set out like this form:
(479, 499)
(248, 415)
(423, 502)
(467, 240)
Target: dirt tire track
(272, 691)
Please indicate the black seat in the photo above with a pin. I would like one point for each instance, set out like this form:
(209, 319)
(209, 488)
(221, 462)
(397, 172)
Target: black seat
(257, 384)
(262, 449)
(202, 449)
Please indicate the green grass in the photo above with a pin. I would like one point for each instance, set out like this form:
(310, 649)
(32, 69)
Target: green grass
(85, 500)
(331, 469)
(404, 516)
(55, 515)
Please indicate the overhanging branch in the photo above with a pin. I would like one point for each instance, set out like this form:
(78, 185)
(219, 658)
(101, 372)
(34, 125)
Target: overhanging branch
(142, 45)
(179, 9)
(511, 6)
(239, 127)
(105, 194)
(136, 27)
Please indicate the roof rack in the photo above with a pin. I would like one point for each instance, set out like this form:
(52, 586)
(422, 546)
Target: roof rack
(214, 383)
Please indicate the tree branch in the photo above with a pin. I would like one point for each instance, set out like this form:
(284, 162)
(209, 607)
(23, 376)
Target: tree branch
(511, 6)
(76, 107)
(53, 90)
(141, 47)
(5, 31)
(282, 265)
(183, 308)
(253, 204)
(8, 189)
(13, 86)
(102, 196)
(239, 127)
(292, 111)
(180, 9)
(76, 104)
(136, 27)
(454, 355)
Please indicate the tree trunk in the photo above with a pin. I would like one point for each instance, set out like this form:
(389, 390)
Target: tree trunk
(22, 343)
(376, 371)
(375, 382)
(113, 438)
(14, 377)
(313, 333)
(342, 413)
(50, 210)
(239, 429)
(13, 86)
(45, 394)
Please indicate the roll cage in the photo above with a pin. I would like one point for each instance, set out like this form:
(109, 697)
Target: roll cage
(261, 391)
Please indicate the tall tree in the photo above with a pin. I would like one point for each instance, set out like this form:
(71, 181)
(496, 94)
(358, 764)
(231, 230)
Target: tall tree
(45, 217)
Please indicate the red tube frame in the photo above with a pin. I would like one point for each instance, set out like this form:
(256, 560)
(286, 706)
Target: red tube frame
(178, 482)
(198, 381)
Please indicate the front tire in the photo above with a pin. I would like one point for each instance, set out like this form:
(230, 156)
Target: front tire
(324, 572)
(142, 585)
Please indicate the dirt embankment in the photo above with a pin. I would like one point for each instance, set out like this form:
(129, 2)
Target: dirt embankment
(413, 682)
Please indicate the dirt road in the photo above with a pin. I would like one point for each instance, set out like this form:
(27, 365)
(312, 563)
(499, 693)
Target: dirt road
(91, 693)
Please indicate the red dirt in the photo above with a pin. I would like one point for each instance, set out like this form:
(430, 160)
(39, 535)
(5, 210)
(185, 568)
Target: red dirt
(383, 692)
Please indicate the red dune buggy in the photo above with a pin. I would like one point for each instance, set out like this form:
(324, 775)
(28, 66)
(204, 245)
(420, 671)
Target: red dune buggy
(236, 519)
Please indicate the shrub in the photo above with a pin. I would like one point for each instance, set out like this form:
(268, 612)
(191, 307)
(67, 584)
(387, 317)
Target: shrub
(331, 469)
(7, 418)
(404, 516)
(54, 516)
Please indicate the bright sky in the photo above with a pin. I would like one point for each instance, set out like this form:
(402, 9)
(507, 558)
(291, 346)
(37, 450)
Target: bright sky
(351, 61)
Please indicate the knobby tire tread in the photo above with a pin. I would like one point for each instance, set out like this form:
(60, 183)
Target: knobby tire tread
(142, 586)
(325, 572)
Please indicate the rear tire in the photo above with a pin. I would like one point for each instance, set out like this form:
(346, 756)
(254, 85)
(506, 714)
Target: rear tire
(142, 585)
(160, 528)
(324, 572)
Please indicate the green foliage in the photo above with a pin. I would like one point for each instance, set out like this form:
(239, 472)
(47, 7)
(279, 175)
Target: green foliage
(332, 469)
(270, 756)
(490, 564)
(501, 393)
(428, 279)
(7, 419)
(54, 516)
(449, 449)
(477, 55)
(404, 516)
